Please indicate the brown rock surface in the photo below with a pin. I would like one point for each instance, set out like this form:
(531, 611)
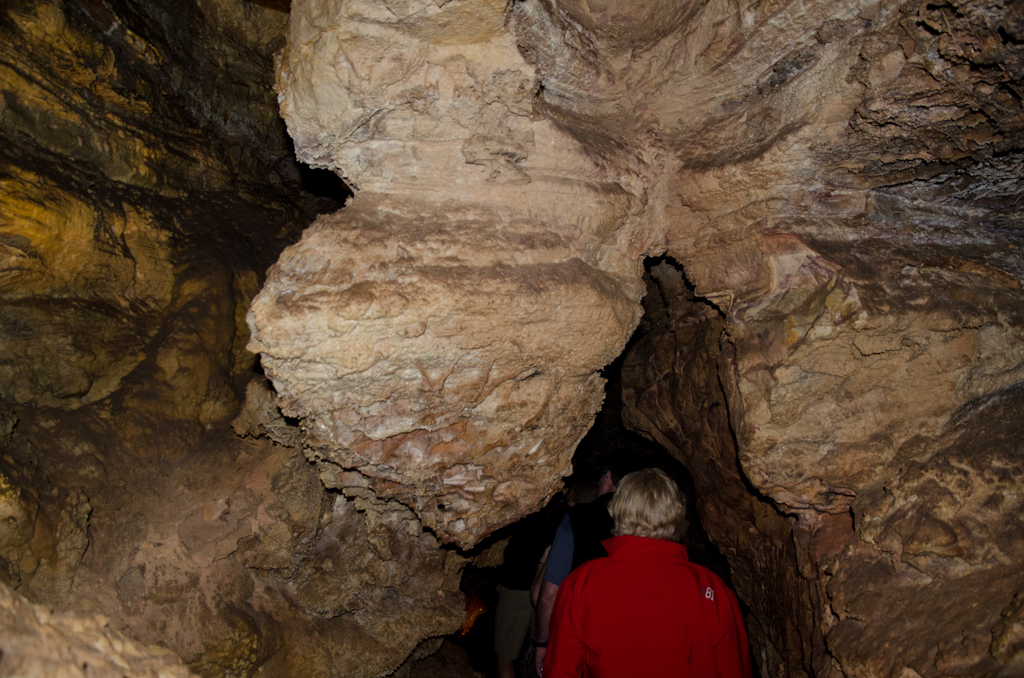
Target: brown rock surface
(109, 194)
(443, 334)
(147, 184)
(234, 555)
(34, 641)
(833, 348)
(840, 184)
(451, 380)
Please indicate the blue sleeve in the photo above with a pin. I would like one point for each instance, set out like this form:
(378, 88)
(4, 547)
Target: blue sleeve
(560, 558)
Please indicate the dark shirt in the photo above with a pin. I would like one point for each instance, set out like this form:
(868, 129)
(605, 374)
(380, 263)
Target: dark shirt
(579, 538)
(591, 525)
(527, 541)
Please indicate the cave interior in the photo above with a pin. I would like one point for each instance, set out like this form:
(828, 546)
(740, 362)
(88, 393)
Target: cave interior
(305, 302)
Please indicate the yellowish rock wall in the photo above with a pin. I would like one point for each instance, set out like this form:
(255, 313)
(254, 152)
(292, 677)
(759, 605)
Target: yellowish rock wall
(109, 193)
(147, 183)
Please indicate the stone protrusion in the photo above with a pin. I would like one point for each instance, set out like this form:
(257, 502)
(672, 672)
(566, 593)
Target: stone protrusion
(449, 361)
(443, 334)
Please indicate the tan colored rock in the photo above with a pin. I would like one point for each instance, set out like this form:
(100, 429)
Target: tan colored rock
(838, 361)
(447, 381)
(443, 334)
(837, 180)
(34, 641)
(931, 526)
(807, 192)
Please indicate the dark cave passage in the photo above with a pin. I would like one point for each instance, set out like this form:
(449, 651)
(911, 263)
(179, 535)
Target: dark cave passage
(608, 441)
(245, 432)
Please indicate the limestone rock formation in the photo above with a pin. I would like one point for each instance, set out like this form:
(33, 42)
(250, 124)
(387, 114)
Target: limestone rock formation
(832, 342)
(932, 521)
(840, 184)
(36, 642)
(233, 556)
(147, 183)
(109, 196)
(442, 335)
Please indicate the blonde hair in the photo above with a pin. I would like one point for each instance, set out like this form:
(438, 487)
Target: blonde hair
(648, 504)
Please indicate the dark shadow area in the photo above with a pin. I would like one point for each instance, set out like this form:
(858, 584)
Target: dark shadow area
(277, 5)
(324, 190)
(608, 441)
(480, 586)
(324, 185)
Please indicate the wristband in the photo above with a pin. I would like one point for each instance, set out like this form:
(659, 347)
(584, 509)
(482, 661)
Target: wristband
(537, 643)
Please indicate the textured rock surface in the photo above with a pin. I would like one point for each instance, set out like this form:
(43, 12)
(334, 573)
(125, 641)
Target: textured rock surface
(147, 182)
(485, 387)
(926, 559)
(112, 202)
(234, 556)
(867, 272)
(836, 353)
(37, 642)
(840, 184)
(672, 392)
(442, 335)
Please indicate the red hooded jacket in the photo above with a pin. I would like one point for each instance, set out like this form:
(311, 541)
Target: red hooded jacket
(646, 610)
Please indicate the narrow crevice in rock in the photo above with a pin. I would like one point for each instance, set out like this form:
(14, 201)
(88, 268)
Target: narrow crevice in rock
(607, 441)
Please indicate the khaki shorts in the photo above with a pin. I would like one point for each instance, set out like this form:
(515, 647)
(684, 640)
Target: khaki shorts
(513, 620)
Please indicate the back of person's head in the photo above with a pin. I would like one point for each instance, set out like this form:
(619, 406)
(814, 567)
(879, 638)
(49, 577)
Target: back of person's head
(618, 468)
(648, 504)
(582, 492)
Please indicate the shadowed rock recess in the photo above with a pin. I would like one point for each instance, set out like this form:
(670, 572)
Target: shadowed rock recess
(804, 217)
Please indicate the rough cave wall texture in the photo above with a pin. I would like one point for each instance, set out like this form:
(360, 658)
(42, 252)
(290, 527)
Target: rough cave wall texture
(441, 336)
(832, 342)
(147, 183)
(840, 354)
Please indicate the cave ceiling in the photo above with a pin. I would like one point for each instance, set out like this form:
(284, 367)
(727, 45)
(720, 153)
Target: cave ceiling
(801, 221)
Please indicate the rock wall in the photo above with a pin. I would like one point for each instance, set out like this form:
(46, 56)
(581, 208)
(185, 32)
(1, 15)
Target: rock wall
(440, 338)
(867, 274)
(147, 182)
(834, 347)
(37, 642)
(839, 348)
(113, 202)
(672, 392)
(234, 555)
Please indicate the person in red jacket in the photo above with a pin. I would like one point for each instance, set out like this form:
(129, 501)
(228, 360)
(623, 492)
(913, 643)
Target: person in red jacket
(646, 610)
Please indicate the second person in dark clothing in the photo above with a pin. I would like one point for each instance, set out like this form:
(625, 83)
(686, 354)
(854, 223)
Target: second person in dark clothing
(515, 613)
(577, 540)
